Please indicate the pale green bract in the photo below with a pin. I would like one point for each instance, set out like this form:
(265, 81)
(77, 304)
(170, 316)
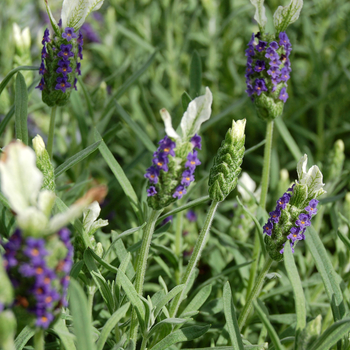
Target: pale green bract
(286, 15)
(90, 215)
(260, 16)
(198, 111)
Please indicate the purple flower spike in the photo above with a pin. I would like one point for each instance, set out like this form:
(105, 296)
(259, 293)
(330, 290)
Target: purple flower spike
(69, 34)
(180, 192)
(283, 95)
(260, 86)
(285, 74)
(161, 160)
(282, 202)
(151, 191)
(46, 37)
(268, 228)
(187, 178)
(191, 216)
(152, 174)
(41, 85)
(64, 68)
(196, 141)
(250, 51)
(261, 45)
(192, 161)
(66, 52)
(312, 207)
(271, 53)
(167, 145)
(63, 84)
(259, 66)
(303, 221)
(283, 39)
(275, 215)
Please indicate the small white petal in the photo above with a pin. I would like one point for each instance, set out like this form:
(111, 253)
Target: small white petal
(249, 184)
(32, 221)
(285, 15)
(91, 213)
(38, 145)
(46, 201)
(170, 131)
(260, 16)
(238, 128)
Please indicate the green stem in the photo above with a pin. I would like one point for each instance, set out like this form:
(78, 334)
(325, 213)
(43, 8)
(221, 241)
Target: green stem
(91, 292)
(266, 167)
(194, 258)
(254, 293)
(39, 339)
(142, 264)
(51, 131)
(178, 246)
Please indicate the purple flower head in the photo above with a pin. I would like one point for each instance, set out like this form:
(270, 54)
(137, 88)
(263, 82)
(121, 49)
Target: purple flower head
(167, 145)
(151, 191)
(283, 96)
(303, 221)
(78, 68)
(43, 52)
(69, 34)
(288, 49)
(249, 71)
(64, 68)
(285, 74)
(282, 202)
(60, 23)
(273, 45)
(63, 84)
(64, 235)
(250, 91)
(271, 54)
(44, 320)
(296, 234)
(191, 216)
(42, 69)
(80, 39)
(275, 63)
(35, 250)
(283, 39)
(180, 192)
(274, 72)
(152, 174)
(249, 61)
(260, 86)
(275, 215)
(192, 160)
(312, 207)
(261, 45)
(187, 177)
(66, 52)
(196, 141)
(268, 227)
(46, 37)
(291, 245)
(47, 299)
(27, 270)
(161, 160)
(259, 66)
(250, 51)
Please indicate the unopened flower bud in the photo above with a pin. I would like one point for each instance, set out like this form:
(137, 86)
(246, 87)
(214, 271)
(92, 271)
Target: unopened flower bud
(224, 173)
(335, 161)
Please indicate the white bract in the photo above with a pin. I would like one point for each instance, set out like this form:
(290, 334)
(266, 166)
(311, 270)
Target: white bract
(311, 178)
(285, 15)
(246, 187)
(260, 16)
(198, 111)
(74, 12)
(21, 38)
(237, 130)
(90, 215)
(21, 183)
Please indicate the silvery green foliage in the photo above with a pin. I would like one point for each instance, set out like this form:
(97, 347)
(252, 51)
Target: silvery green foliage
(224, 173)
(21, 183)
(310, 333)
(44, 164)
(286, 15)
(260, 16)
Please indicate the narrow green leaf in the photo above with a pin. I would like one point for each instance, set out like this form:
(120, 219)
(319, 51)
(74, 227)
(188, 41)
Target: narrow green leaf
(87, 98)
(21, 106)
(184, 334)
(74, 272)
(119, 174)
(22, 339)
(231, 319)
(66, 338)
(332, 335)
(176, 321)
(78, 157)
(326, 270)
(294, 278)
(252, 149)
(176, 290)
(14, 71)
(198, 300)
(144, 138)
(78, 109)
(258, 305)
(171, 256)
(110, 324)
(81, 318)
(185, 100)
(195, 75)
(288, 139)
(103, 262)
(344, 239)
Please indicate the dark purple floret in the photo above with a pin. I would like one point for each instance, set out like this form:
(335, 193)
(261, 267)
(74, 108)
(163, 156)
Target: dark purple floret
(62, 84)
(152, 174)
(196, 141)
(191, 216)
(78, 68)
(80, 51)
(60, 23)
(66, 52)
(44, 52)
(75, 84)
(64, 67)
(35, 250)
(249, 61)
(282, 202)
(285, 74)
(303, 221)
(312, 207)
(166, 220)
(274, 72)
(187, 177)
(69, 34)
(283, 96)
(167, 145)
(259, 66)
(192, 160)
(291, 189)
(252, 39)
(275, 63)
(291, 245)
(151, 191)
(250, 91)
(250, 51)
(44, 320)
(249, 71)
(274, 45)
(41, 84)
(260, 86)
(161, 160)
(90, 33)
(261, 45)
(296, 234)
(80, 39)
(268, 227)
(275, 215)
(46, 37)
(42, 69)
(64, 235)
(271, 53)
(283, 39)
(180, 192)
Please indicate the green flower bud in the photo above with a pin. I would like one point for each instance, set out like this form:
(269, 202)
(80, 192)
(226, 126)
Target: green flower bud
(8, 326)
(335, 161)
(224, 173)
(44, 164)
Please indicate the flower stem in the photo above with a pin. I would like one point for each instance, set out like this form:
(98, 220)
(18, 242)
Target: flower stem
(194, 258)
(266, 167)
(39, 339)
(254, 293)
(51, 131)
(178, 246)
(142, 264)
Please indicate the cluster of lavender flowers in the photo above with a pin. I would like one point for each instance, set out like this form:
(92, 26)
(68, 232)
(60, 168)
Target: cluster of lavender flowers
(40, 288)
(296, 233)
(161, 160)
(64, 60)
(267, 66)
